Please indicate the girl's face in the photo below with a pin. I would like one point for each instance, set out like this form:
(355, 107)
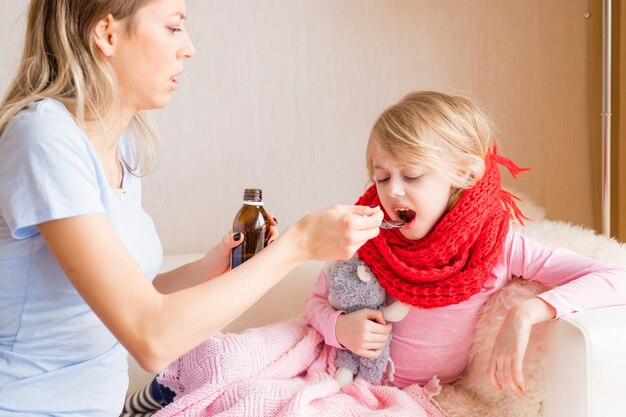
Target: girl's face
(149, 60)
(410, 193)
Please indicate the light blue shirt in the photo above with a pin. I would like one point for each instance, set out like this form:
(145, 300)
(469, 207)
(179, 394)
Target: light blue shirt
(56, 356)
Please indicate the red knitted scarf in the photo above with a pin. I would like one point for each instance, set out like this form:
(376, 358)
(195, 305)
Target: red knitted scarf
(450, 263)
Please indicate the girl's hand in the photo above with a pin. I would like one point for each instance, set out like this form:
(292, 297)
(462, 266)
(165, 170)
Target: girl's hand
(363, 332)
(505, 366)
(337, 232)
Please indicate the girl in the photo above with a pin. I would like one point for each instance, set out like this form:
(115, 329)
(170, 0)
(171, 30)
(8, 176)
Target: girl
(78, 255)
(434, 166)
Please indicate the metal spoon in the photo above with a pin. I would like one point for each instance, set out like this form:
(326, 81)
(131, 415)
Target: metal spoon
(391, 224)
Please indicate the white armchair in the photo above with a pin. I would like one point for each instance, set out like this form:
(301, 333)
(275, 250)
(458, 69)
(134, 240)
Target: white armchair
(583, 354)
(585, 364)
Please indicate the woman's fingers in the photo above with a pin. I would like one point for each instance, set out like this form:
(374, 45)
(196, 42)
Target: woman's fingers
(366, 211)
(229, 240)
(272, 234)
(338, 231)
(272, 219)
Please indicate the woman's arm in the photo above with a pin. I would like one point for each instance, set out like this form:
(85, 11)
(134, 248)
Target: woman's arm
(214, 263)
(157, 328)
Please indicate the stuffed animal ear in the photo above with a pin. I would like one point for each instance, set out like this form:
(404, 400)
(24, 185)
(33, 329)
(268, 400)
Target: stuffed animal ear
(363, 274)
(395, 311)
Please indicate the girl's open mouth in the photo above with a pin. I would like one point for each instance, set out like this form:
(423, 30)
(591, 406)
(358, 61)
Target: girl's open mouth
(405, 214)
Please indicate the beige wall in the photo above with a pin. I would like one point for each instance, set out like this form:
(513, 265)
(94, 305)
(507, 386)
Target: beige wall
(281, 95)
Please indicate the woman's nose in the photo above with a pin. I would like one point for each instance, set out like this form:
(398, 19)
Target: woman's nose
(187, 50)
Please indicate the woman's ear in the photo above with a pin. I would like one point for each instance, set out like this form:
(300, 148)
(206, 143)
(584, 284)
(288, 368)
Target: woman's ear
(105, 36)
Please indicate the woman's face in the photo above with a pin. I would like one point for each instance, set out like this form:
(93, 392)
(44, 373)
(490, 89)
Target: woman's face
(149, 60)
(410, 193)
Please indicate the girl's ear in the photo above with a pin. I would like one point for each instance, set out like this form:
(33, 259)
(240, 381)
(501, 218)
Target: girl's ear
(105, 35)
(462, 179)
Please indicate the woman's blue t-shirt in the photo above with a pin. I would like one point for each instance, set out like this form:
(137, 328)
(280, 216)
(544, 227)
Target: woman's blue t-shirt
(56, 356)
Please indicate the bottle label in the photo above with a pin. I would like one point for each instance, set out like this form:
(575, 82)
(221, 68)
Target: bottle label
(253, 203)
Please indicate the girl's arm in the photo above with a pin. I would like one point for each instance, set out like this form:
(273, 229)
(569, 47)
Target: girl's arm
(581, 283)
(320, 314)
(363, 332)
(157, 328)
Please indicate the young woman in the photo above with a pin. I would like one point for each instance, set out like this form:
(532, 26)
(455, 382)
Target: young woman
(79, 257)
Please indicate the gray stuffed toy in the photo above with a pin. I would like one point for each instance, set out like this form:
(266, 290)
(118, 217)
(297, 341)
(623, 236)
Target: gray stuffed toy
(352, 287)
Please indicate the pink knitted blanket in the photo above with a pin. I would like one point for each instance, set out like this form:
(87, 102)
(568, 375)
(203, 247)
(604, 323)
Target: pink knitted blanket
(284, 369)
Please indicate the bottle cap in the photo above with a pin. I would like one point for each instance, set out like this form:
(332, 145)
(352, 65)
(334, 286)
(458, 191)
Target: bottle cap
(253, 194)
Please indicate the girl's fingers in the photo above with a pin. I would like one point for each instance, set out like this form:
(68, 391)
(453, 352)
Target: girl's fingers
(376, 338)
(493, 374)
(379, 329)
(370, 354)
(518, 375)
(501, 374)
(374, 345)
(374, 316)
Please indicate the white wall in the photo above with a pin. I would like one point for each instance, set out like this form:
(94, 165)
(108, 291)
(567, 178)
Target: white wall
(281, 95)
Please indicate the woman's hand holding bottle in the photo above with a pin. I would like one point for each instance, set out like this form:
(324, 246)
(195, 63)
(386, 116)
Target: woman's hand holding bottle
(217, 260)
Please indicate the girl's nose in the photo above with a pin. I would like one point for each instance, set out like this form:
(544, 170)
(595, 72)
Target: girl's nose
(396, 188)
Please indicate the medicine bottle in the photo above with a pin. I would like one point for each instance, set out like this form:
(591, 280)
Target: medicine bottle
(252, 222)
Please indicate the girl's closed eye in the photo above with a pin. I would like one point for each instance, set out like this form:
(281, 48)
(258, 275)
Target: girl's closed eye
(411, 178)
(175, 29)
(381, 181)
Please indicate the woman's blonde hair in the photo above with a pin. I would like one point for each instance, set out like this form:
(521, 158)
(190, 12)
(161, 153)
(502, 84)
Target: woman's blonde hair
(60, 60)
(446, 133)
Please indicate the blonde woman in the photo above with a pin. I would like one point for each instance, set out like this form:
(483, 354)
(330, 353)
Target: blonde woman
(79, 258)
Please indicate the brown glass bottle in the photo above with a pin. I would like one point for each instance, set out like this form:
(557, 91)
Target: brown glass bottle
(252, 222)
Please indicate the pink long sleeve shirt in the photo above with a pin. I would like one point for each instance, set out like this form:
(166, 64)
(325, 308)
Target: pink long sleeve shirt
(437, 341)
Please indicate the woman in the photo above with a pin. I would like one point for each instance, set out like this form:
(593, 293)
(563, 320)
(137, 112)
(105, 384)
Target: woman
(77, 251)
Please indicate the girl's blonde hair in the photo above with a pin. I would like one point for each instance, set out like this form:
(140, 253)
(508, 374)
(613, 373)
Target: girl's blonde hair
(60, 60)
(445, 133)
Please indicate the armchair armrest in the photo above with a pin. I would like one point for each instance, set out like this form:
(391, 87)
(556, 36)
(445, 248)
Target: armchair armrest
(585, 364)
